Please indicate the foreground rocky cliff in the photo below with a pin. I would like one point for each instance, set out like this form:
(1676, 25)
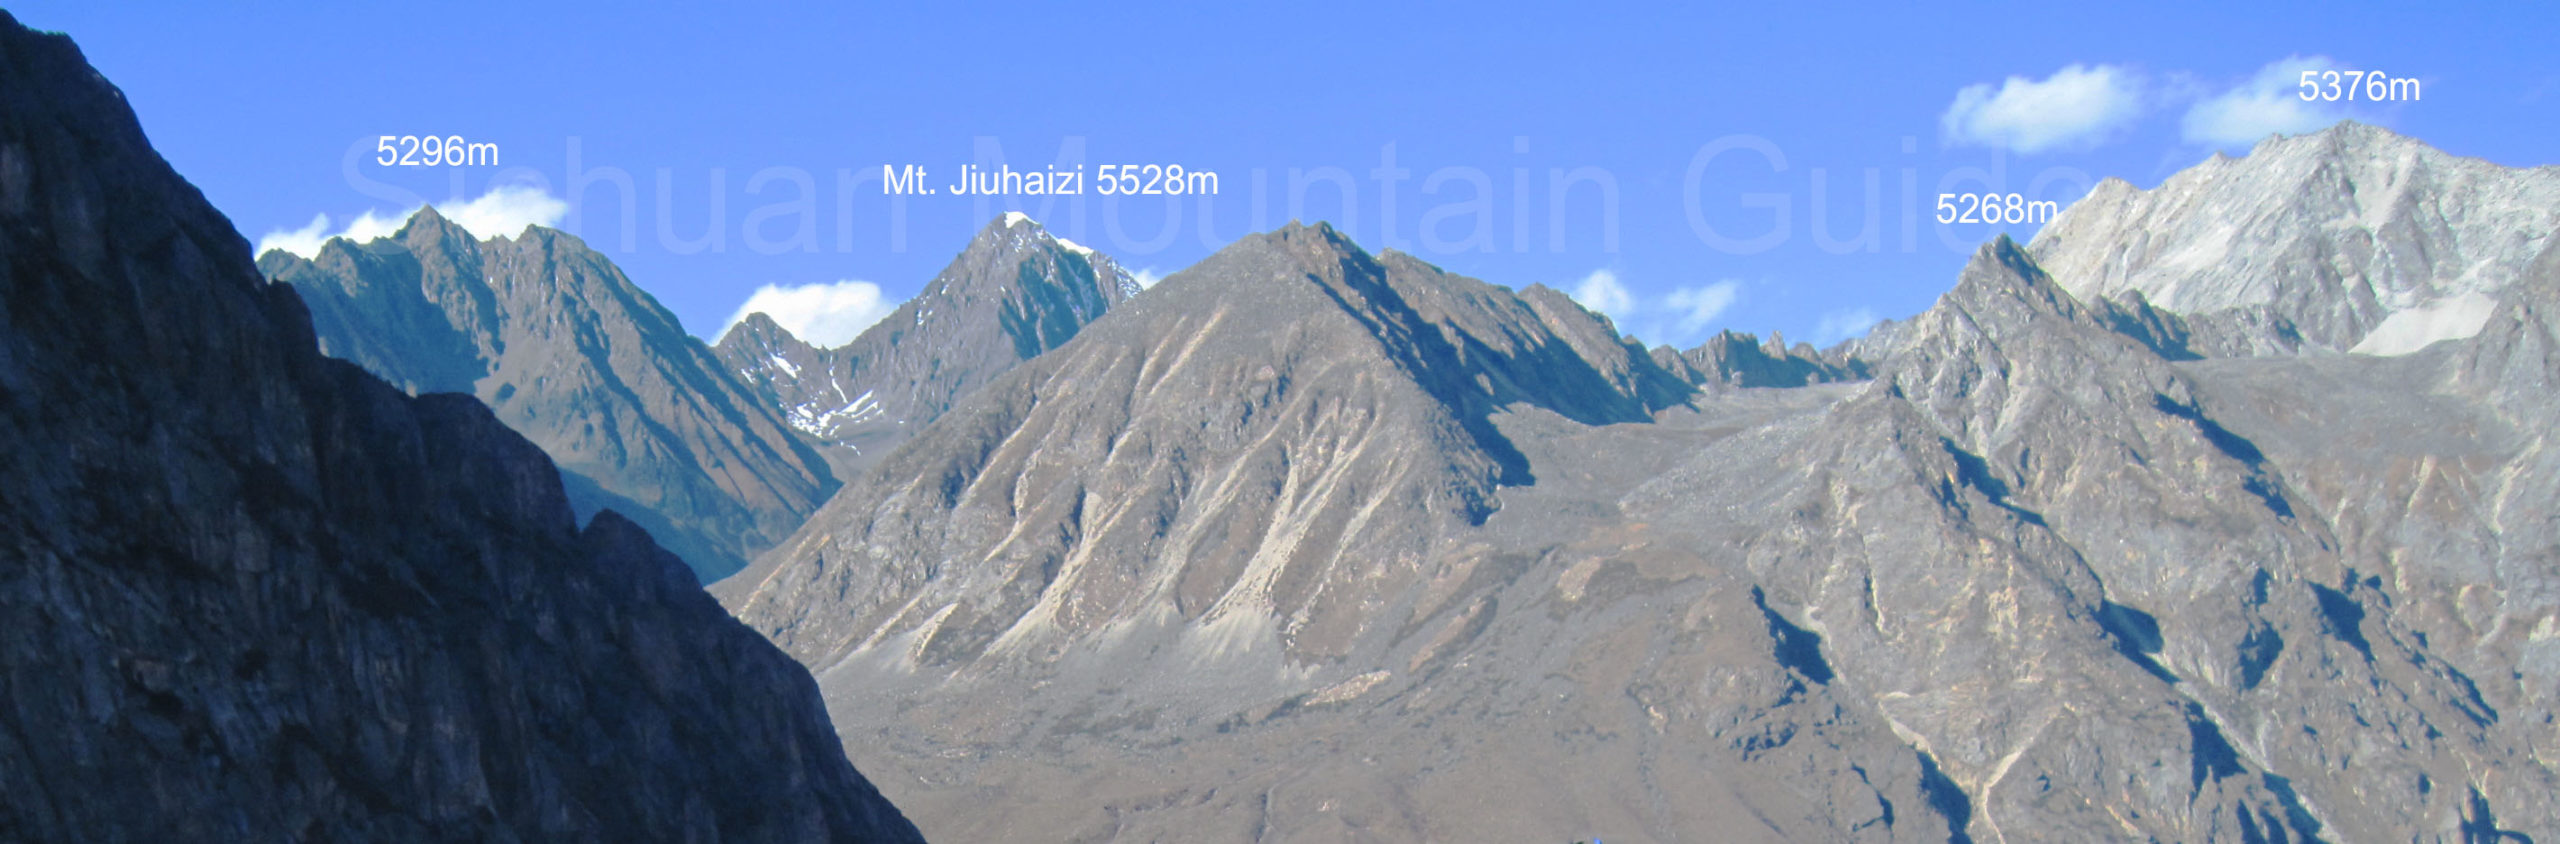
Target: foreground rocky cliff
(250, 593)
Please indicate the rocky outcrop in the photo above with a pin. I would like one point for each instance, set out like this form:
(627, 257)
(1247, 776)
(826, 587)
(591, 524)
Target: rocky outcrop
(567, 351)
(251, 593)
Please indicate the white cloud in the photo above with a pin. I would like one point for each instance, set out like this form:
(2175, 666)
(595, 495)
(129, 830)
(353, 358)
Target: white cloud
(824, 315)
(1600, 291)
(505, 210)
(1147, 278)
(306, 241)
(2269, 103)
(303, 241)
(1842, 325)
(1679, 318)
(2078, 106)
(1692, 308)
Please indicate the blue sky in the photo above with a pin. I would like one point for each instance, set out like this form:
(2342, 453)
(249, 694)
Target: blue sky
(742, 118)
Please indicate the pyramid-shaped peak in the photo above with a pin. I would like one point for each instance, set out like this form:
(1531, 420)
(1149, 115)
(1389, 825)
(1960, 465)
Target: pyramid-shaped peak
(2001, 277)
(1017, 230)
(1320, 237)
(428, 224)
(756, 328)
(1015, 223)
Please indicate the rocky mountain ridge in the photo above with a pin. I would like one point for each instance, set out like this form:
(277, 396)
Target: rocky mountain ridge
(568, 351)
(2354, 237)
(1434, 560)
(1445, 352)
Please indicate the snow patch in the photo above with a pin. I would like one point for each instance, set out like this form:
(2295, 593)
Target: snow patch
(1014, 218)
(819, 422)
(1071, 246)
(2450, 318)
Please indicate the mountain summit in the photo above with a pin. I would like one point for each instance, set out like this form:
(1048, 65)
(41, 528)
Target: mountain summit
(2354, 236)
(1016, 291)
(1278, 460)
(555, 339)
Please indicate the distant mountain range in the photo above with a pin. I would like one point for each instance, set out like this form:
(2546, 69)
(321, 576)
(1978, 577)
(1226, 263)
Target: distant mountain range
(251, 593)
(2114, 541)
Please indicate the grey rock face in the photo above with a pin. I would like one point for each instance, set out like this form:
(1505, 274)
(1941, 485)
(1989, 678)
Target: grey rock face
(2059, 571)
(2046, 492)
(2354, 237)
(570, 353)
(1015, 292)
(251, 593)
(1284, 458)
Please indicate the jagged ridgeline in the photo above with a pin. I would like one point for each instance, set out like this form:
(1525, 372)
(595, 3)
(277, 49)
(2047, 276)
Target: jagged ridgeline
(1311, 543)
(252, 593)
(641, 417)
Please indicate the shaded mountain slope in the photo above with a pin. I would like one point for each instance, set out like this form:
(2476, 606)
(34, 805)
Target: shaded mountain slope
(570, 353)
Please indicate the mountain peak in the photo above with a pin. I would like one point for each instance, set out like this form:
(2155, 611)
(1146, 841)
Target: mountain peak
(1311, 242)
(2003, 277)
(2346, 139)
(2000, 301)
(1015, 292)
(2334, 233)
(427, 226)
(1349, 399)
(760, 324)
(426, 214)
(537, 327)
(1016, 230)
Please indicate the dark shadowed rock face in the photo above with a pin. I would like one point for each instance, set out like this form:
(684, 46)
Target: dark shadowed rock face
(251, 593)
(567, 351)
(1015, 292)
